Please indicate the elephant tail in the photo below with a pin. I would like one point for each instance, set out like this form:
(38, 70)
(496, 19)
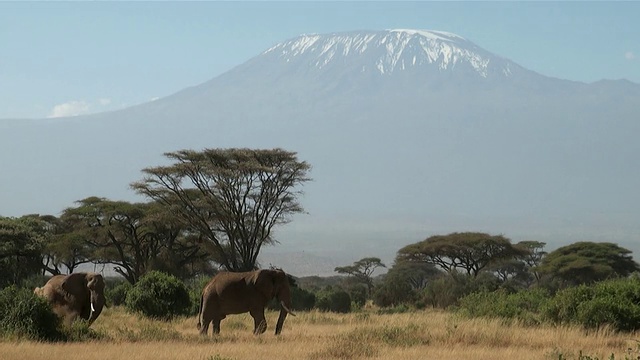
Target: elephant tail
(200, 313)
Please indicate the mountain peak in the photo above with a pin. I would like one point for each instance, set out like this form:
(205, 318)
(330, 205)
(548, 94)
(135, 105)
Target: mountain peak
(389, 51)
(430, 34)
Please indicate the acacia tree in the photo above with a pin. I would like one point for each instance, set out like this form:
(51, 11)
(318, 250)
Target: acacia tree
(231, 198)
(404, 281)
(362, 270)
(587, 262)
(136, 238)
(468, 251)
(20, 249)
(63, 250)
(520, 270)
(115, 232)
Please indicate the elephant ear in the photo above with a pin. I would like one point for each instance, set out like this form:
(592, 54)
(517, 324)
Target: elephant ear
(73, 282)
(264, 282)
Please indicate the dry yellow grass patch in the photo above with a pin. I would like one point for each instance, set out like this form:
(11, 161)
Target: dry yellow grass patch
(314, 335)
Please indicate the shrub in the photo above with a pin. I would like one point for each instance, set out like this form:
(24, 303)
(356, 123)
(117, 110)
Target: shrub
(160, 296)
(302, 299)
(613, 302)
(524, 306)
(195, 287)
(334, 300)
(80, 331)
(24, 315)
(448, 289)
(117, 294)
(393, 293)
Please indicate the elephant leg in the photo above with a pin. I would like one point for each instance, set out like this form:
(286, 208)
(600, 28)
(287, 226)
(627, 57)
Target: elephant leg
(204, 328)
(259, 321)
(216, 324)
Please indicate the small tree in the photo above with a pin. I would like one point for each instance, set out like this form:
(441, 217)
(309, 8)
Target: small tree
(362, 270)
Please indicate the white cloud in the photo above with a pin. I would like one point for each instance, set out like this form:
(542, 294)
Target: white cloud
(629, 55)
(71, 108)
(104, 101)
(79, 107)
(155, 98)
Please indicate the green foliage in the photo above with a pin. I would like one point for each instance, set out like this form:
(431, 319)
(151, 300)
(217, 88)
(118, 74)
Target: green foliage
(135, 237)
(80, 331)
(335, 300)
(403, 283)
(448, 289)
(362, 270)
(159, 295)
(524, 306)
(613, 302)
(20, 249)
(33, 281)
(117, 293)
(231, 197)
(302, 299)
(392, 293)
(587, 262)
(467, 252)
(195, 287)
(26, 316)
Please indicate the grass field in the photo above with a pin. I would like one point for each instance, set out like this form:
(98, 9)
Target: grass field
(314, 335)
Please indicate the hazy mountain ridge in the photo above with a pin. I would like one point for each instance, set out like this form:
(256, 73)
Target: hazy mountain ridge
(398, 154)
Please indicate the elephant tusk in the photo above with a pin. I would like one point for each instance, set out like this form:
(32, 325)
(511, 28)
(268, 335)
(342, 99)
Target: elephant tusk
(286, 308)
(92, 308)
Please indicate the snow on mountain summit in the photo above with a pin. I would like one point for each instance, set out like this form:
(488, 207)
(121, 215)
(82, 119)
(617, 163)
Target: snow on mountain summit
(389, 51)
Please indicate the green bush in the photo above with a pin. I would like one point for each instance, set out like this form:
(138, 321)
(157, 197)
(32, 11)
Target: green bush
(24, 315)
(195, 287)
(447, 290)
(613, 302)
(159, 296)
(302, 299)
(117, 294)
(524, 306)
(394, 293)
(80, 331)
(334, 300)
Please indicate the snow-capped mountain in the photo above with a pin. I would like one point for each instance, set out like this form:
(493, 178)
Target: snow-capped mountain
(387, 51)
(410, 133)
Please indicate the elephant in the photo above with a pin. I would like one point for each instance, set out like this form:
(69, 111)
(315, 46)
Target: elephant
(239, 292)
(75, 295)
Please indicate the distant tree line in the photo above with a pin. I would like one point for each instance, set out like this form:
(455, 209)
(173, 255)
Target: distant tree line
(442, 269)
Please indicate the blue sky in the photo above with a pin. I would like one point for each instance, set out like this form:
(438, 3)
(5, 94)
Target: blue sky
(62, 58)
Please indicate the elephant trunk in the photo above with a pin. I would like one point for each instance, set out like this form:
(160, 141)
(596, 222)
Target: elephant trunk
(97, 302)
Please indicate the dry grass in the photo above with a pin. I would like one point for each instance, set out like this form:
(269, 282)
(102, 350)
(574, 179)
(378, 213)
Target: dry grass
(314, 336)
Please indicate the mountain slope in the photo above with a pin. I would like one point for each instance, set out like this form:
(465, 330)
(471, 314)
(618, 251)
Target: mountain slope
(409, 133)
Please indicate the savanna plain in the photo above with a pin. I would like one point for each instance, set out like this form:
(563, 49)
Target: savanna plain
(314, 335)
